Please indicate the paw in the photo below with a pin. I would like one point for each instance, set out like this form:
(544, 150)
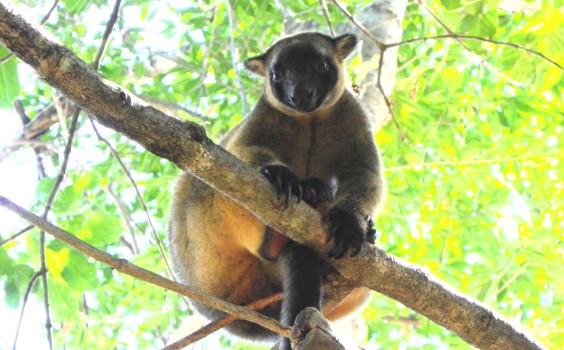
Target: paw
(316, 191)
(370, 230)
(285, 181)
(347, 230)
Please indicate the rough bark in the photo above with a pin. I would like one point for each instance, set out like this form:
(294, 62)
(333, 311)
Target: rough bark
(187, 145)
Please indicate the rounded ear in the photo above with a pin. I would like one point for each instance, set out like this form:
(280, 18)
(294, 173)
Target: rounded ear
(257, 65)
(344, 45)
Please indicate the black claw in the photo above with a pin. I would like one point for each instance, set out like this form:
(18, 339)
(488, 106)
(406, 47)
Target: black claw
(316, 191)
(329, 194)
(278, 186)
(348, 231)
(370, 230)
(288, 194)
(332, 232)
(338, 252)
(285, 182)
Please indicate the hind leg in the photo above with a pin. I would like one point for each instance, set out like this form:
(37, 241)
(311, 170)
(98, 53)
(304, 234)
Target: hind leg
(246, 284)
(214, 245)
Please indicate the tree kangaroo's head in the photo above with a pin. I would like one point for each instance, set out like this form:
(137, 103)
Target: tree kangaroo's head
(304, 73)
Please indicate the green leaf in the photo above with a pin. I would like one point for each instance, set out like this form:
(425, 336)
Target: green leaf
(76, 6)
(9, 79)
(16, 284)
(101, 228)
(80, 275)
(488, 24)
(6, 264)
(451, 4)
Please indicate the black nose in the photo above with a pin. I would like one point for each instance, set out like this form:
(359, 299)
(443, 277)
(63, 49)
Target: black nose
(303, 98)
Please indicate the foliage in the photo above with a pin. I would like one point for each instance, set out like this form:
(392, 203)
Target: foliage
(476, 191)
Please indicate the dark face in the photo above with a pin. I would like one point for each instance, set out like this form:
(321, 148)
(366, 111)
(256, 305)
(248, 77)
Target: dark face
(301, 77)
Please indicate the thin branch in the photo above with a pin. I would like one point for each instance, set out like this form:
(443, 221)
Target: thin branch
(382, 47)
(139, 196)
(128, 245)
(455, 36)
(43, 273)
(49, 204)
(127, 218)
(323, 4)
(220, 323)
(206, 60)
(109, 27)
(50, 200)
(234, 58)
(36, 149)
(474, 162)
(30, 285)
(32, 130)
(64, 164)
(14, 236)
(402, 134)
(514, 277)
(464, 46)
(458, 38)
(353, 20)
(46, 17)
(125, 267)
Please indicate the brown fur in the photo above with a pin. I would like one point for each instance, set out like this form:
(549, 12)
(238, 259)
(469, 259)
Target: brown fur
(215, 243)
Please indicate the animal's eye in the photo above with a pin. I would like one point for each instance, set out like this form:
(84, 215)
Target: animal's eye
(324, 65)
(275, 76)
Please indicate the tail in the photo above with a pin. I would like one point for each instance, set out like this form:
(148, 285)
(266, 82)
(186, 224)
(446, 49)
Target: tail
(302, 284)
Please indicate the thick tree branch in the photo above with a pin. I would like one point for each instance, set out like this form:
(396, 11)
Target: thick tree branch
(187, 145)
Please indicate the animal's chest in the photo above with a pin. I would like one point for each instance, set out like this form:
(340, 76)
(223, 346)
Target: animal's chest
(301, 146)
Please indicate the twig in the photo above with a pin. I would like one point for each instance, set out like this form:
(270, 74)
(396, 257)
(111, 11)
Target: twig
(455, 36)
(351, 18)
(46, 17)
(16, 235)
(24, 303)
(125, 267)
(50, 200)
(464, 46)
(231, 16)
(323, 4)
(386, 99)
(206, 60)
(127, 218)
(220, 323)
(139, 196)
(473, 162)
(109, 27)
(382, 47)
(36, 149)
